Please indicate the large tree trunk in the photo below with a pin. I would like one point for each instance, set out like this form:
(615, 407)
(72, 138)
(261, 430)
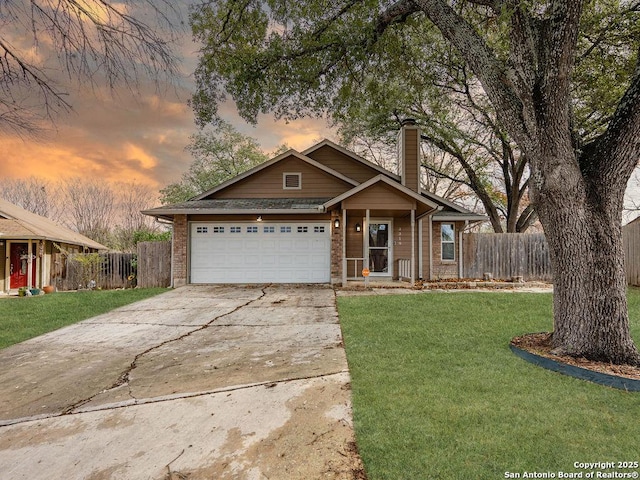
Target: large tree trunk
(584, 233)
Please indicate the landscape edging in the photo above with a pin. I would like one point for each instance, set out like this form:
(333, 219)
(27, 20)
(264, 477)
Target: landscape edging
(614, 381)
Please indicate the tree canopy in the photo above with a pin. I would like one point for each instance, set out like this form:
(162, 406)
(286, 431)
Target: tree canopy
(219, 155)
(539, 64)
(342, 60)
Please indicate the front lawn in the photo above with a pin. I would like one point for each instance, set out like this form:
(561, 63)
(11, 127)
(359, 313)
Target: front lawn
(22, 318)
(437, 394)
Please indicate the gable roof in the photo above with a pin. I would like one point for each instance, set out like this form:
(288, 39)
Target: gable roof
(440, 208)
(386, 180)
(352, 155)
(267, 164)
(17, 223)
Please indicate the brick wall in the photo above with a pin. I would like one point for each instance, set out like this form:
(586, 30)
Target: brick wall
(180, 242)
(336, 248)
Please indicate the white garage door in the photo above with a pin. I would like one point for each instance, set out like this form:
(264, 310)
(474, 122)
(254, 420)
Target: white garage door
(256, 252)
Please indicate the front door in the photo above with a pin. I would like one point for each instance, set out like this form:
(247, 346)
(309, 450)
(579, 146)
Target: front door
(380, 234)
(19, 266)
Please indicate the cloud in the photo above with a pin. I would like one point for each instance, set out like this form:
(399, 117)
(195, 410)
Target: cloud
(135, 134)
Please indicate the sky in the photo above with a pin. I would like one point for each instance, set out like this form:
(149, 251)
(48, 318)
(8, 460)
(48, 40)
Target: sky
(124, 136)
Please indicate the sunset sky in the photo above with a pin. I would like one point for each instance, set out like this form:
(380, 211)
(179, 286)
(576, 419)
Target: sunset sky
(122, 136)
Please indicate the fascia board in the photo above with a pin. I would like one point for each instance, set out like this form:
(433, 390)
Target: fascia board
(234, 211)
(457, 218)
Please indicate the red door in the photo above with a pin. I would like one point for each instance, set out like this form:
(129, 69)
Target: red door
(19, 266)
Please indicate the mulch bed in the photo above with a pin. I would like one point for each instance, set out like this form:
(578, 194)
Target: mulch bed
(540, 344)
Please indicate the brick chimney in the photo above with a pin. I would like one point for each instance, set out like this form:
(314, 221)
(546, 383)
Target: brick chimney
(409, 154)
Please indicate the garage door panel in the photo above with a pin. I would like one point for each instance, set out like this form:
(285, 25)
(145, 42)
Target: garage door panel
(275, 252)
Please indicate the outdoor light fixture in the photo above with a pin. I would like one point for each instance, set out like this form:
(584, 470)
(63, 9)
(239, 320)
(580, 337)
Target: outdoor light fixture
(336, 223)
(259, 219)
(358, 227)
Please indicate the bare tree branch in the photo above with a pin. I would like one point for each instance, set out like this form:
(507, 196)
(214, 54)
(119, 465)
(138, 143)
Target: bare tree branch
(45, 43)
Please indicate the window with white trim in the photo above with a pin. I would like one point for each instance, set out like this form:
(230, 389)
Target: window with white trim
(202, 230)
(448, 241)
(252, 229)
(292, 181)
(218, 229)
(269, 229)
(236, 229)
(318, 229)
(303, 229)
(285, 229)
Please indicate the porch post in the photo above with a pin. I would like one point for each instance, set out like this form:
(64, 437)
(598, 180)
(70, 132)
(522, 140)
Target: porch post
(420, 250)
(413, 246)
(366, 245)
(29, 264)
(344, 247)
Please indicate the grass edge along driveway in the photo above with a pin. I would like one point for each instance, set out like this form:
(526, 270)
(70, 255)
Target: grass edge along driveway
(437, 394)
(22, 318)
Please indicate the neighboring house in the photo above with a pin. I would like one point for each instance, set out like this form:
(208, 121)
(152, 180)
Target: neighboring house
(318, 216)
(29, 243)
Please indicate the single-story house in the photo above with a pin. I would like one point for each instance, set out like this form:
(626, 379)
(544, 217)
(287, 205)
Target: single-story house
(31, 245)
(318, 216)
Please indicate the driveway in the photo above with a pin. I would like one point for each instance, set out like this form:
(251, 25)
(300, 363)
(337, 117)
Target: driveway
(206, 382)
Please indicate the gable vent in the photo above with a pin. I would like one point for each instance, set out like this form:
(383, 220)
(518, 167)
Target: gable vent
(292, 181)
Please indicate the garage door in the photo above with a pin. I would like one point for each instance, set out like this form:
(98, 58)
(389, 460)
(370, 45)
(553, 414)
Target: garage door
(256, 252)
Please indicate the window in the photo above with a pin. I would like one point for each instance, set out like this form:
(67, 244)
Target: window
(291, 181)
(218, 229)
(202, 229)
(236, 229)
(303, 229)
(252, 229)
(269, 229)
(448, 241)
(285, 229)
(318, 229)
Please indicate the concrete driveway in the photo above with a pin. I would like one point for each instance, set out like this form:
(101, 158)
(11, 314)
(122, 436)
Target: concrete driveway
(206, 382)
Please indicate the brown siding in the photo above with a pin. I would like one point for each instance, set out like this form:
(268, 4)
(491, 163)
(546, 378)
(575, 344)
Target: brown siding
(266, 217)
(267, 183)
(379, 196)
(355, 243)
(338, 161)
(401, 242)
(410, 159)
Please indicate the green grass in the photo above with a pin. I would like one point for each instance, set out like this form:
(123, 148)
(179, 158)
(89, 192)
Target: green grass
(437, 394)
(22, 318)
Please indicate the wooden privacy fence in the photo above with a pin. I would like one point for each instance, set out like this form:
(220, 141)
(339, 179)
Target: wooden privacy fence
(97, 270)
(631, 241)
(506, 255)
(150, 267)
(154, 264)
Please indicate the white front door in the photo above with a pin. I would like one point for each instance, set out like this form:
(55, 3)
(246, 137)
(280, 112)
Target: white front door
(257, 252)
(380, 253)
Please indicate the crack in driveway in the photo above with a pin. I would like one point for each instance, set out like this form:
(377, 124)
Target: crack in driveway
(124, 377)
